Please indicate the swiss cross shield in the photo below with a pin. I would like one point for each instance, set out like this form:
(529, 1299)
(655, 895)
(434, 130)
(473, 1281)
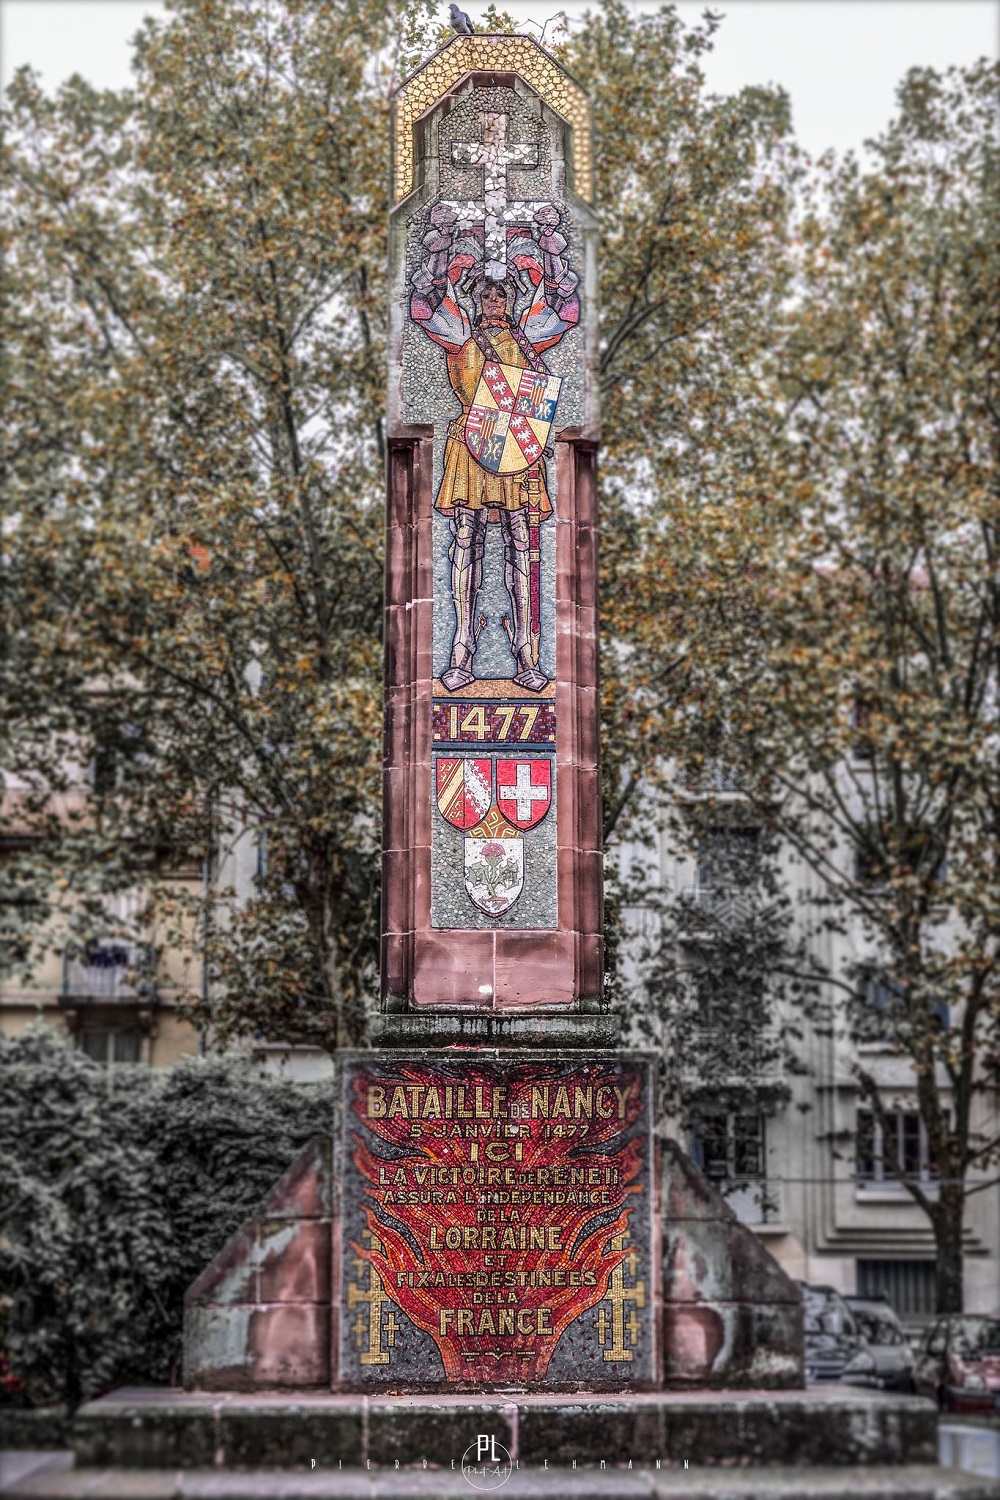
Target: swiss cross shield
(464, 790)
(524, 790)
(511, 416)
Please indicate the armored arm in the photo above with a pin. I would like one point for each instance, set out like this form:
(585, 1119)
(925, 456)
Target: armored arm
(555, 304)
(433, 303)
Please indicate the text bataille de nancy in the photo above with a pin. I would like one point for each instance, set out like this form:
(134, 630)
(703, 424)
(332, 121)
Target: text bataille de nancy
(445, 1111)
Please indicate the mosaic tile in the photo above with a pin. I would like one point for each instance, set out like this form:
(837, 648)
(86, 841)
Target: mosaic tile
(492, 354)
(497, 1222)
(516, 54)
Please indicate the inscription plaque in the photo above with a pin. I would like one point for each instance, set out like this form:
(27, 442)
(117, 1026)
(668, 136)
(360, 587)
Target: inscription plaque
(496, 1223)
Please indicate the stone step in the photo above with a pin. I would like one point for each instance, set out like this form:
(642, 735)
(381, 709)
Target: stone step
(874, 1482)
(154, 1428)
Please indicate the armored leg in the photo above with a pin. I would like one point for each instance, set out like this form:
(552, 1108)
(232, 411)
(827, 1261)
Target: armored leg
(516, 541)
(468, 530)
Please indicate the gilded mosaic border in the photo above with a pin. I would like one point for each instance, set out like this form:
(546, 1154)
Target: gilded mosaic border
(485, 53)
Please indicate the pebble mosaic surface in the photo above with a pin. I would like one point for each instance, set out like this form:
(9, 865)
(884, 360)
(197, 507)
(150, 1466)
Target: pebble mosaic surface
(515, 54)
(496, 379)
(497, 1222)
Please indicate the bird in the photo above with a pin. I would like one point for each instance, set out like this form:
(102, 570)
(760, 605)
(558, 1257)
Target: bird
(460, 21)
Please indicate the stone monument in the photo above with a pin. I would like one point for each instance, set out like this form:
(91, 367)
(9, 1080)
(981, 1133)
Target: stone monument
(497, 1212)
(493, 1218)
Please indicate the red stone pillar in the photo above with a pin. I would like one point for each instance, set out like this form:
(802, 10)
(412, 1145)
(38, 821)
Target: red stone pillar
(492, 878)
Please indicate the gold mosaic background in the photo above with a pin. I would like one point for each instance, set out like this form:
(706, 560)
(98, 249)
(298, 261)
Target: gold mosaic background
(481, 54)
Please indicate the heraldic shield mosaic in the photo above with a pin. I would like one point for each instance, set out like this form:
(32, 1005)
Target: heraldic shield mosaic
(493, 357)
(497, 1222)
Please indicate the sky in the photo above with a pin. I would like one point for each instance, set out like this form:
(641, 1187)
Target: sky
(840, 60)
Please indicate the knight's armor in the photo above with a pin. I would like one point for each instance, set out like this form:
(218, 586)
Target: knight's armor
(469, 494)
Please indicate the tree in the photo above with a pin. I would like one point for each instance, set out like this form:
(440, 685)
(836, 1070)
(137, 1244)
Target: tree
(693, 192)
(853, 673)
(725, 988)
(194, 455)
(193, 480)
(879, 657)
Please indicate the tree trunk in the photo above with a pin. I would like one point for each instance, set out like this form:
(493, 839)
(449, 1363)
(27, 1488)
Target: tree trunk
(947, 1221)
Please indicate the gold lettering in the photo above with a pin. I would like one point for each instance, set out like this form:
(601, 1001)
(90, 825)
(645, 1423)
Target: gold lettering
(375, 1104)
(560, 1105)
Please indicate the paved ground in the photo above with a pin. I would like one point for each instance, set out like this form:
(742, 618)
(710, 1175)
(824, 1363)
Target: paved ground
(875, 1483)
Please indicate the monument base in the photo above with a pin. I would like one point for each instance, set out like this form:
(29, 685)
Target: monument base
(835, 1426)
(504, 1219)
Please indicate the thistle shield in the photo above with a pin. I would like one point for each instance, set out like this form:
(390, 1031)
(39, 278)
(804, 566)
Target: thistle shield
(511, 417)
(494, 873)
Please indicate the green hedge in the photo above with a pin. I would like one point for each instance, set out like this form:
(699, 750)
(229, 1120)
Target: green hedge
(116, 1189)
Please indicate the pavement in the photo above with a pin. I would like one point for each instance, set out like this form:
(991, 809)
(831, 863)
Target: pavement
(897, 1482)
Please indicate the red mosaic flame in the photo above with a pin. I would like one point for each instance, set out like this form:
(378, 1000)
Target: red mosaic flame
(433, 1199)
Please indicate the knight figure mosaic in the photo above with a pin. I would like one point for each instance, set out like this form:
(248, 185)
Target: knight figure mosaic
(493, 356)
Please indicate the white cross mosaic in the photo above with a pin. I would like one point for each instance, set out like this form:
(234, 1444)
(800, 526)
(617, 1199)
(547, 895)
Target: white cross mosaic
(495, 210)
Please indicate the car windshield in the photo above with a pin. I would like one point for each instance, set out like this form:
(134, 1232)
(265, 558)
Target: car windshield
(879, 1330)
(976, 1336)
(823, 1315)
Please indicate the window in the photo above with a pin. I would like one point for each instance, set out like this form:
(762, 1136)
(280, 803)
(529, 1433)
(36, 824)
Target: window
(902, 1149)
(881, 852)
(869, 864)
(727, 1146)
(110, 970)
(727, 859)
(112, 1045)
(118, 750)
(882, 1009)
(862, 743)
(909, 1286)
(719, 997)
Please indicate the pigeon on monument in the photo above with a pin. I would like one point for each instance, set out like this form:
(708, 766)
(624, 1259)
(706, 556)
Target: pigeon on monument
(460, 21)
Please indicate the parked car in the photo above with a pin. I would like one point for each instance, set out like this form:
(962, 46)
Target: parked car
(835, 1348)
(958, 1364)
(883, 1333)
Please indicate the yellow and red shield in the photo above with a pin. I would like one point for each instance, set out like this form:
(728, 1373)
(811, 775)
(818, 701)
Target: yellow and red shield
(511, 416)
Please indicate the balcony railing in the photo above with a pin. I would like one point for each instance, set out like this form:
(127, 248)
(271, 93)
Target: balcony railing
(712, 905)
(109, 971)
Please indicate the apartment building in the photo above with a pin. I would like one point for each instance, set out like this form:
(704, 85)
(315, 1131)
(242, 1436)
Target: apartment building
(805, 1162)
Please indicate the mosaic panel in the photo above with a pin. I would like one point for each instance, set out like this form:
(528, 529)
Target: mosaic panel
(497, 1222)
(492, 351)
(486, 53)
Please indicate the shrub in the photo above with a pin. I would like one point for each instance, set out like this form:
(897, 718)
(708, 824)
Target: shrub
(116, 1189)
